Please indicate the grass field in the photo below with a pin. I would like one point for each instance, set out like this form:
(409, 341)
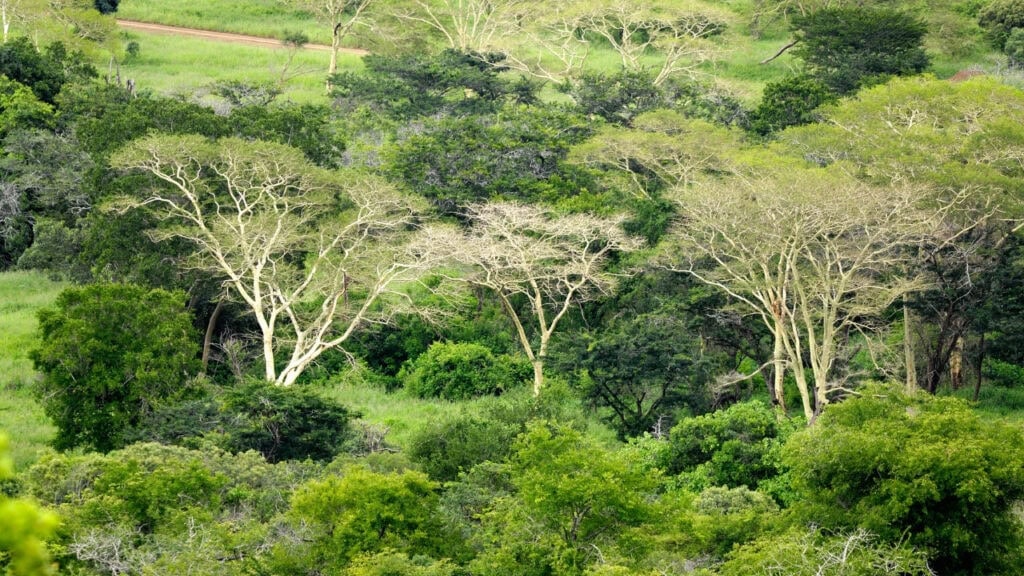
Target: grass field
(21, 417)
(268, 18)
(181, 65)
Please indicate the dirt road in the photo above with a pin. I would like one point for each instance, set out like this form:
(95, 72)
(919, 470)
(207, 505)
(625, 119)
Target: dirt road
(224, 36)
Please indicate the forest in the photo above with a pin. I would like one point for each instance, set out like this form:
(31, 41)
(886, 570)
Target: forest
(512, 288)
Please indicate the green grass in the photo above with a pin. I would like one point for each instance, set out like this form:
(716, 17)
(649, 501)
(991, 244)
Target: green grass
(184, 66)
(267, 18)
(404, 415)
(21, 417)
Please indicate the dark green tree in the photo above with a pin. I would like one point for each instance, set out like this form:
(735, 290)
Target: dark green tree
(109, 354)
(999, 18)
(639, 371)
(850, 47)
(515, 154)
(284, 423)
(789, 102)
(107, 6)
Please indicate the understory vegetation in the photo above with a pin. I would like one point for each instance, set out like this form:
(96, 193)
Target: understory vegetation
(523, 288)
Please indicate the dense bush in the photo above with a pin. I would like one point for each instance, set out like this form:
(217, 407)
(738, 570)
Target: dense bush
(145, 508)
(789, 102)
(818, 553)
(110, 354)
(849, 47)
(640, 372)
(284, 423)
(999, 18)
(445, 448)
(514, 154)
(457, 371)
(919, 469)
(410, 85)
(1014, 48)
(738, 446)
(360, 513)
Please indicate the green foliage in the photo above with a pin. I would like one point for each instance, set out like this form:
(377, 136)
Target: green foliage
(24, 530)
(164, 509)
(917, 468)
(110, 121)
(414, 85)
(447, 447)
(362, 513)
(789, 102)
(847, 48)
(716, 520)
(457, 371)
(21, 62)
(392, 563)
(20, 108)
(1014, 47)
(999, 18)
(616, 97)
(640, 370)
(285, 423)
(572, 497)
(818, 553)
(738, 446)
(620, 97)
(306, 127)
(515, 154)
(109, 354)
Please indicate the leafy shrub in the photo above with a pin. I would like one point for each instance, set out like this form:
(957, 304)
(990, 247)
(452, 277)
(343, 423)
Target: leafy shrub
(515, 153)
(24, 529)
(285, 423)
(738, 446)
(110, 354)
(1014, 48)
(789, 102)
(445, 448)
(398, 564)
(616, 97)
(999, 19)
(919, 469)
(139, 509)
(360, 513)
(818, 553)
(456, 371)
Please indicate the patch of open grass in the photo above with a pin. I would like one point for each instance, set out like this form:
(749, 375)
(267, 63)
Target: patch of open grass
(180, 65)
(405, 415)
(267, 18)
(21, 417)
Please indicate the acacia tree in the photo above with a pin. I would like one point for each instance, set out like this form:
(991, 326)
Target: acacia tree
(815, 267)
(553, 261)
(465, 25)
(677, 32)
(302, 247)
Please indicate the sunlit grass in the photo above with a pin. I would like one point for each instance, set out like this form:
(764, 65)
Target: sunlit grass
(267, 18)
(405, 415)
(21, 417)
(184, 66)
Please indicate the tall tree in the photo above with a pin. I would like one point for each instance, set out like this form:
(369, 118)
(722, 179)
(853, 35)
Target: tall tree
(816, 268)
(301, 246)
(552, 261)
